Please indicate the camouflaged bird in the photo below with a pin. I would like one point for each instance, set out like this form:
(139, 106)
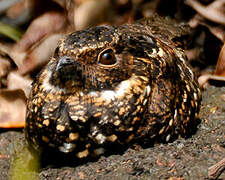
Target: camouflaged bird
(107, 86)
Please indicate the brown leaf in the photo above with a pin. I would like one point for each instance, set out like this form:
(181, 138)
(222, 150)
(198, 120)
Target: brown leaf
(193, 54)
(64, 3)
(21, 12)
(216, 30)
(176, 178)
(4, 5)
(42, 26)
(4, 66)
(214, 11)
(203, 79)
(90, 13)
(12, 109)
(40, 55)
(220, 66)
(81, 175)
(16, 81)
(160, 163)
(214, 109)
(20, 8)
(5, 48)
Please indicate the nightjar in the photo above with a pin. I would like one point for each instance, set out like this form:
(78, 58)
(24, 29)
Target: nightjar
(111, 86)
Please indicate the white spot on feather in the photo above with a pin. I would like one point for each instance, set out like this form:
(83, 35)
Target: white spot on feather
(67, 147)
(195, 96)
(122, 88)
(108, 95)
(175, 114)
(93, 94)
(49, 87)
(100, 138)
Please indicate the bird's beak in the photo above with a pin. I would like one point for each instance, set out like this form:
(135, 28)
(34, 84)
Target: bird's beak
(64, 61)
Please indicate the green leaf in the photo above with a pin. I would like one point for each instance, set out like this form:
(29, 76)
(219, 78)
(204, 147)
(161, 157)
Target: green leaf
(10, 31)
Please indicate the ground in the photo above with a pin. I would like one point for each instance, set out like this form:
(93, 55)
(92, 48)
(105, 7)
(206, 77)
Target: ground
(183, 159)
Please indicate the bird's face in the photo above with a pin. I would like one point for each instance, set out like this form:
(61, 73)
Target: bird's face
(90, 60)
(97, 58)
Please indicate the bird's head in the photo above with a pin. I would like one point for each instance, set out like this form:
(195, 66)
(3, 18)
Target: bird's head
(101, 58)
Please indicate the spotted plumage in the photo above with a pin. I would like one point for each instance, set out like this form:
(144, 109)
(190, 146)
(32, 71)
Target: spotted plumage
(109, 86)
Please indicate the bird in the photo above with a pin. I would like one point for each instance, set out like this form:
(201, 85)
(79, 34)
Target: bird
(112, 86)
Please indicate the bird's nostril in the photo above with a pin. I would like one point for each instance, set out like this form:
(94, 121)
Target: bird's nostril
(64, 61)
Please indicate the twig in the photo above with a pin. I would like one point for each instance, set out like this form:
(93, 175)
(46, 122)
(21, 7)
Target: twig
(216, 170)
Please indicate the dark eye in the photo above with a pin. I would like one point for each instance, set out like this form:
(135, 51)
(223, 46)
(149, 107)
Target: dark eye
(107, 57)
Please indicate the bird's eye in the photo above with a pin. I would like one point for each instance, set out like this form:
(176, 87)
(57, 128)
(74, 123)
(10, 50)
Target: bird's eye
(107, 57)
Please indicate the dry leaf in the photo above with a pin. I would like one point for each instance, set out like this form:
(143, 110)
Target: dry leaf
(21, 12)
(4, 5)
(216, 30)
(160, 163)
(176, 178)
(90, 13)
(40, 55)
(16, 81)
(213, 109)
(4, 66)
(214, 11)
(12, 109)
(20, 8)
(42, 26)
(203, 79)
(5, 48)
(220, 66)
